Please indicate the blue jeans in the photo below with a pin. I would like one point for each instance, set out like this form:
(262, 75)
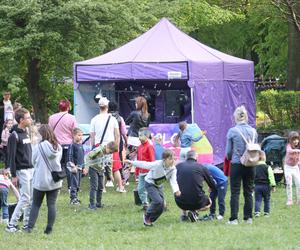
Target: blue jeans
(141, 188)
(220, 192)
(4, 204)
(96, 186)
(75, 180)
(156, 207)
(262, 191)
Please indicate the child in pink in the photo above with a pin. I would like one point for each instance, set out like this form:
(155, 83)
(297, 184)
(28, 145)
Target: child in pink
(5, 185)
(291, 169)
(4, 137)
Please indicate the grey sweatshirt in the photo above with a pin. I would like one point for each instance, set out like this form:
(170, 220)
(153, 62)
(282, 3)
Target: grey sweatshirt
(42, 178)
(158, 171)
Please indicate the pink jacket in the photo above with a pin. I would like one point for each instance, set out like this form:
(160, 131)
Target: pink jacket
(292, 157)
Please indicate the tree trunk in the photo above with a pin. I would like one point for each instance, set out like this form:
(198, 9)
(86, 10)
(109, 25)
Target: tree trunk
(36, 93)
(294, 55)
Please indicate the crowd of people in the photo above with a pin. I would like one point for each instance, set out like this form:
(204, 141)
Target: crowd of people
(38, 165)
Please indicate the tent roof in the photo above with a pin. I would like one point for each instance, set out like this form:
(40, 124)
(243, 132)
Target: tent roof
(166, 44)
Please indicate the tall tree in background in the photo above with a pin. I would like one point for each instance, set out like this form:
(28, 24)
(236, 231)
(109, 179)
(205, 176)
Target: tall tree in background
(291, 11)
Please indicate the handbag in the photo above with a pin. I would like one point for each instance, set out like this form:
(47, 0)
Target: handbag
(56, 175)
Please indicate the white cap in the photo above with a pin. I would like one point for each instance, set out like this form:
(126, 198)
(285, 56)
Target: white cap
(103, 102)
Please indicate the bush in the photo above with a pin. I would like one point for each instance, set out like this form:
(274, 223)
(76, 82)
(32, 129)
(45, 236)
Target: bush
(281, 107)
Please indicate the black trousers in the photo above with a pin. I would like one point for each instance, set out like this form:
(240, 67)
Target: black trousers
(239, 174)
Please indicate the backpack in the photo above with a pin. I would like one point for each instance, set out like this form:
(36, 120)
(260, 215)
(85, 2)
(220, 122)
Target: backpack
(250, 157)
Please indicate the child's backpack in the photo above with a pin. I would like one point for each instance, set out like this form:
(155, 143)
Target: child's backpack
(250, 157)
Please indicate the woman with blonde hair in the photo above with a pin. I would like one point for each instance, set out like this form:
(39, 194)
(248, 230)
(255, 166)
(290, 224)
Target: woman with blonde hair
(235, 147)
(138, 118)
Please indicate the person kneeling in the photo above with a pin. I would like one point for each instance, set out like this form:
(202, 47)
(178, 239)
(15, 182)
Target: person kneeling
(190, 177)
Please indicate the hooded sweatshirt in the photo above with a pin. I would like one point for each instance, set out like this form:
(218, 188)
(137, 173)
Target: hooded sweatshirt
(19, 151)
(42, 178)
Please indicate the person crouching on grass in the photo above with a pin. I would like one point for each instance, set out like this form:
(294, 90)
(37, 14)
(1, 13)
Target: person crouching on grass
(160, 171)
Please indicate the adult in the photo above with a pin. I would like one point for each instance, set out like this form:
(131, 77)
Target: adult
(117, 165)
(190, 178)
(104, 129)
(63, 124)
(138, 118)
(19, 153)
(235, 147)
(6, 109)
(47, 154)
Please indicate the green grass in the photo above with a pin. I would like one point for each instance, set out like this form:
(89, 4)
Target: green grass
(119, 226)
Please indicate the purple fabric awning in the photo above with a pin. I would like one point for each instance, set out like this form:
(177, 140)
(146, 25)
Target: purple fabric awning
(220, 82)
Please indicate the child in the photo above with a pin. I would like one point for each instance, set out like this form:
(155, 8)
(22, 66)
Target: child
(76, 159)
(95, 162)
(4, 137)
(145, 152)
(5, 185)
(264, 180)
(221, 189)
(159, 149)
(160, 171)
(291, 169)
(186, 139)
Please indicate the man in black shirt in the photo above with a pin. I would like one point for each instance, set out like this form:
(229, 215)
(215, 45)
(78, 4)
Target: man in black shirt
(190, 177)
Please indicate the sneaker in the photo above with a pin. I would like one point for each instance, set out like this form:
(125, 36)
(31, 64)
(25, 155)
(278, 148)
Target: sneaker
(104, 190)
(289, 203)
(11, 228)
(193, 216)
(232, 222)
(127, 183)
(220, 217)
(26, 229)
(184, 217)
(75, 202)
(48, 230)
(121, 190)
(248, 221)
(147, 222)
(256, 214)
(109, 184)
(266, 214)
(92, 207)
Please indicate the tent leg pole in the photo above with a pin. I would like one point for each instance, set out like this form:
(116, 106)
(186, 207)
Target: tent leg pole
(192, 104)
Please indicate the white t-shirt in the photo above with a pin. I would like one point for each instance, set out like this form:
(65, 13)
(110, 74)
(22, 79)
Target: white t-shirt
(98, 124)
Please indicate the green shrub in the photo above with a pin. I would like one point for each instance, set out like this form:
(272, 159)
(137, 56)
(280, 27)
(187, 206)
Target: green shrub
(281, 107)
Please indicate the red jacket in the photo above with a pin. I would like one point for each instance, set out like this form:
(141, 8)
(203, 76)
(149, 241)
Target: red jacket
(145, 152)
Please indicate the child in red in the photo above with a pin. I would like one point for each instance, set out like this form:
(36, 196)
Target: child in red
(116, 166)
(145, 152)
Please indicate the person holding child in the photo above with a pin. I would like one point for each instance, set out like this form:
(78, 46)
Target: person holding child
(95, 162)
(291, 166)
(160, 171)
(76, 163)
(264, 181)
(5, 185)
(46, 157)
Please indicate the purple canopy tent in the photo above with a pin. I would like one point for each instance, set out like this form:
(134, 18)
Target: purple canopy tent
(218, 82)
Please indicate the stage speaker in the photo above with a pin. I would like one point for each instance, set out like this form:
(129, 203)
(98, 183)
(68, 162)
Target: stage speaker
(172, 106)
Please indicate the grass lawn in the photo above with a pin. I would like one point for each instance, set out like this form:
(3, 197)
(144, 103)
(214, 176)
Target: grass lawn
(119, 226)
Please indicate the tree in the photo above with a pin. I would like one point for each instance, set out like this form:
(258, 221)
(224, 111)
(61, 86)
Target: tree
(291, 12)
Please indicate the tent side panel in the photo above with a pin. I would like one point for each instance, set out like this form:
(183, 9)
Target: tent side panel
(215, 102)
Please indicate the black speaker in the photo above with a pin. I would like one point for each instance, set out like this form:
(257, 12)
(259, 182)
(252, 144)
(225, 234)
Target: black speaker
(172, 106)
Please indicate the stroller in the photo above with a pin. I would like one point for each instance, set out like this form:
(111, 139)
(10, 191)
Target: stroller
(275, 146)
